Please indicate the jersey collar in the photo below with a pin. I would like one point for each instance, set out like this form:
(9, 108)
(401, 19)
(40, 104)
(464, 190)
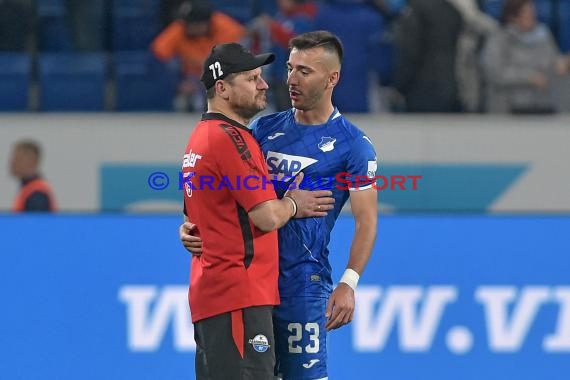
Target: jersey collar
(335, 113)
(221, 116)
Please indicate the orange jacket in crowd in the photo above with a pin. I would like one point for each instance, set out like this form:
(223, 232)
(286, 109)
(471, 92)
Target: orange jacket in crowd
(173, 42)
(35, 185)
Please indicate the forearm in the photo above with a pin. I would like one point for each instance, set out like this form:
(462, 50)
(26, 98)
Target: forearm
(273, 214)
(362, 245)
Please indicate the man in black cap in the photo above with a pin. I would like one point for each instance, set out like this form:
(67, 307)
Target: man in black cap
(228, 194)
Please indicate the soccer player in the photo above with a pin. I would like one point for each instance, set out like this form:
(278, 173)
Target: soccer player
(316, 139)
(233, 284)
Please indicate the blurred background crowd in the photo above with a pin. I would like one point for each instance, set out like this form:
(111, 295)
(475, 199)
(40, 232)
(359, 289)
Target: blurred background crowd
(441, 56)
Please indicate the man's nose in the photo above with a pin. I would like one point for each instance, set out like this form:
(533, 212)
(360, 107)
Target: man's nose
(291, 78)
(262, 85)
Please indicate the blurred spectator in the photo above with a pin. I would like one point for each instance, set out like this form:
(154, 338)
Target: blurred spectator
(477, 27)
(169, 10)
(35, 194)
(294, 17)
(360, 31)
(191, 38)
(522, 63)
(16, 20)
(426, 36)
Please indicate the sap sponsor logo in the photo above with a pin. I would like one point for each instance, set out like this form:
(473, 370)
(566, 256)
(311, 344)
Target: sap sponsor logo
(508, 314)
(281, 165)
(149, 313)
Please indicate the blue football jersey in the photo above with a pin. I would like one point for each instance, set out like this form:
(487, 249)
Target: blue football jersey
(335, 156)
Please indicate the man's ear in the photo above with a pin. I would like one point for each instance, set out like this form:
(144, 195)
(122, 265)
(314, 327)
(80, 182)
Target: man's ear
(221, 89)
(334, 77)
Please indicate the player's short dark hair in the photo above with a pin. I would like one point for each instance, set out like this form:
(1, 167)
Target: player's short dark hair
(511, 9)
(318, 38)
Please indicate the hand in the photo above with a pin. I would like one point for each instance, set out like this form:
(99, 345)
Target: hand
(539, 81)
(563, 65)
(340, 308)
(310, 203)
(193, 244)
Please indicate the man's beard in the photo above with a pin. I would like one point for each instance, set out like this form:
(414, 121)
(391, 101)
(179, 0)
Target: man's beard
(247, 111)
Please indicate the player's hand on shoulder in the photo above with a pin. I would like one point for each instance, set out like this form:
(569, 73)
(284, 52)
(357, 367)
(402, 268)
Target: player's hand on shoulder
(192, 243)
(340, 308)
(315, 203)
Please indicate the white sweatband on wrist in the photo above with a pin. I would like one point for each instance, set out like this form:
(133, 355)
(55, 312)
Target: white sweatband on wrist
(293, 203)
(350, 278)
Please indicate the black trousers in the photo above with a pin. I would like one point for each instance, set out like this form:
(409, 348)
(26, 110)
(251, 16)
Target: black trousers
(238, 345)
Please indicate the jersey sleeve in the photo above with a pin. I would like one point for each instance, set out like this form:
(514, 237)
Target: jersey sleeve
(362, 164)
(243, 169)
(254, 126)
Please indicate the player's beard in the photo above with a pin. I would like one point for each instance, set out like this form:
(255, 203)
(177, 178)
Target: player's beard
(248, 108)
(308, 100)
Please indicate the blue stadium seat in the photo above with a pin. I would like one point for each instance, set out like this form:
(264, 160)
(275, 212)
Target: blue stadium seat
(544, 12)
(143, 83)
(359, 31)
(493, 8)
(264, 6)
(54, 32)
(135, 24)
(382, 55)
(396, 6)
(72, 81)
(241, 10)
(15, 74)
(564, 24)
(51, 7)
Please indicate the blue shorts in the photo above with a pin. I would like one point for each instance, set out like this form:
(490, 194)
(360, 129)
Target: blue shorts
(301, 338)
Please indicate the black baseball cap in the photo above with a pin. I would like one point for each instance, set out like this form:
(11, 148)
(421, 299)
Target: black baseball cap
(230, 58)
